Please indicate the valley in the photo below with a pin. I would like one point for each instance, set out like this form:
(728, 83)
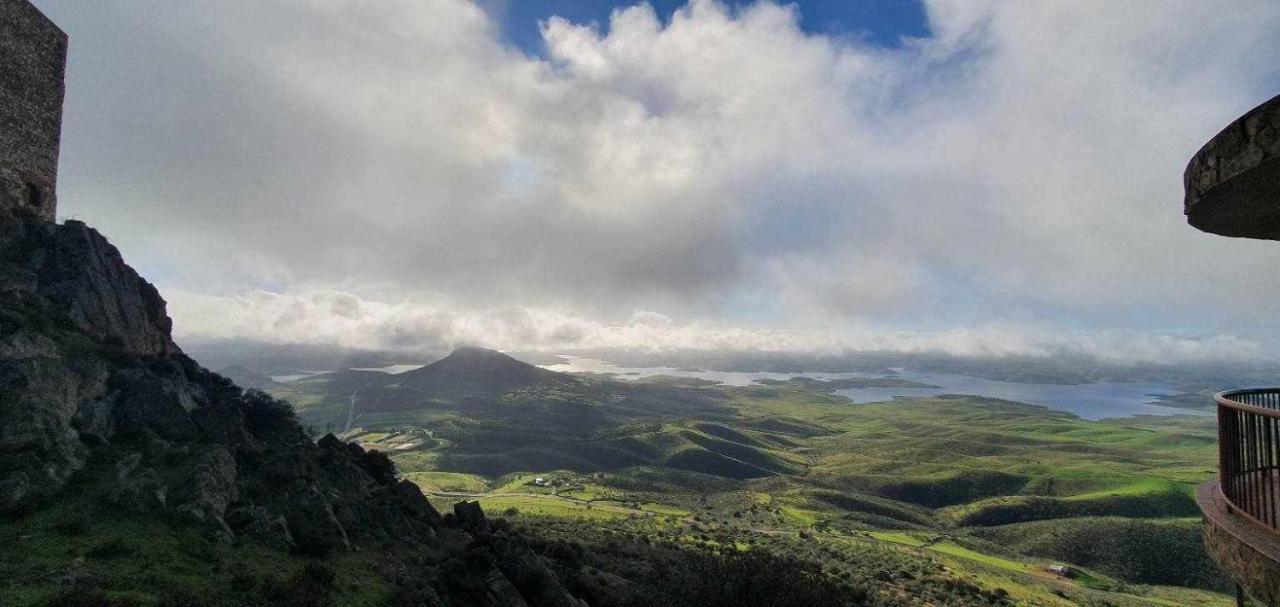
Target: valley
(978, 496)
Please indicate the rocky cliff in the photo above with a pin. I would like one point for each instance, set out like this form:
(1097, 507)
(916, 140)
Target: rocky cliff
(95, 396)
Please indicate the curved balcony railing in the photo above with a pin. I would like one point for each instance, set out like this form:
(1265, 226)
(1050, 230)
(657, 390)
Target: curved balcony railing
(1249, 453)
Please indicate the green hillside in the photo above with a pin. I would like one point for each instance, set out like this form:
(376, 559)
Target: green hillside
(991, 491)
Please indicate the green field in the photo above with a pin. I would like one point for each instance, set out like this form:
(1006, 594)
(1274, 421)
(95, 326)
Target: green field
(991, 491)
(431, 480)
(529, 506)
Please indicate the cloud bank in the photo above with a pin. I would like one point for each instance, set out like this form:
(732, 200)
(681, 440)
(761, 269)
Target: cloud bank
(1011, 181)
(337, 318)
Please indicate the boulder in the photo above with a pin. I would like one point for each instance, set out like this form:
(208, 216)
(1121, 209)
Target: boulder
(221, 423)
(141, 492)
(259, 523)
(312, 521)
(501, 592)
(470, 516)
(153, 405)
(95, 420)
(530, 574)
(415, 503)
(210, 489)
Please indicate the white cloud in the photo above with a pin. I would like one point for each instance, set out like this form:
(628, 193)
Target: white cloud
(343, 319)
(1021, 166)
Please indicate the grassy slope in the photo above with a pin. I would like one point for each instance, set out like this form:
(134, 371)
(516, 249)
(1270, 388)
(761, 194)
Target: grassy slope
(150, 561)
(792, 459)
(1116, 546)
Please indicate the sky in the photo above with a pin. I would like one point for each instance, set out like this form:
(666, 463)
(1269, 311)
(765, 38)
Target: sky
(884, 23)
(963, 176)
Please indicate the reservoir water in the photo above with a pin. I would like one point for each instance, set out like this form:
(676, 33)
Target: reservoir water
(1089, 401)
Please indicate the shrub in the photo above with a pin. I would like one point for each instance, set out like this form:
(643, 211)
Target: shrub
(113, 548)
(84, 597)
(264, 415)
(71, 526)
(312, 586)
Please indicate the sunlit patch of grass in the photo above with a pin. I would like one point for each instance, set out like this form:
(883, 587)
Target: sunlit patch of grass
(534, 506)
(899, 537)
(954, 549)
(806, 518)
(448, 481)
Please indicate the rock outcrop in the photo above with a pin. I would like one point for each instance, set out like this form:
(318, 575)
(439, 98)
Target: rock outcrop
(94, 393)
(85, 352)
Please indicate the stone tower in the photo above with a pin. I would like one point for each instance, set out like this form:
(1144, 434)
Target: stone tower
(1233, 189)
(33, 59)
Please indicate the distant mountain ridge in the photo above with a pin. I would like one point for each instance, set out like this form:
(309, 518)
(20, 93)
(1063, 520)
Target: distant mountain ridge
(472, 370)
(490, 385)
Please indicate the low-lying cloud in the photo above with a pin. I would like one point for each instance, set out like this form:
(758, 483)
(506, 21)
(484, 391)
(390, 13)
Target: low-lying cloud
(345, 320)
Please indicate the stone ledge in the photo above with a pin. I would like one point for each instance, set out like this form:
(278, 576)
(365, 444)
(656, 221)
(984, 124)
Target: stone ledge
(1247, 552)
(1232, 184)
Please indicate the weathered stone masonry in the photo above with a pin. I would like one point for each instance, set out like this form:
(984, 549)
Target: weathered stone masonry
(33, 57)
(1233, 183)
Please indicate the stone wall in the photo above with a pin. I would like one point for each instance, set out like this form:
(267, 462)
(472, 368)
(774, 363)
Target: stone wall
(1248, 553)
(1246, 143)
(1233, 183)
(1256, 573)
(33, 56)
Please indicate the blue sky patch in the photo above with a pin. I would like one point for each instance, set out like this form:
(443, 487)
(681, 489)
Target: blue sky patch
(878, 22)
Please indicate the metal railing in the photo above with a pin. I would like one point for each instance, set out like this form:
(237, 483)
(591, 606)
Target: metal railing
(1249, 453)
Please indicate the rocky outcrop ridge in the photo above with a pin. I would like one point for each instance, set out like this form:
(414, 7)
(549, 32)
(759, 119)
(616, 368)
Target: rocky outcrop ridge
(75, 324)
(94, 393)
